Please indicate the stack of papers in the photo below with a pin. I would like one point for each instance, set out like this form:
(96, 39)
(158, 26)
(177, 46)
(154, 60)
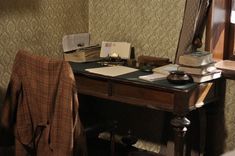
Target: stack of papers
(112, 71)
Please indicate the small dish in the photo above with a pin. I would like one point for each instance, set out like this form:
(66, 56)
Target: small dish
(179, 77)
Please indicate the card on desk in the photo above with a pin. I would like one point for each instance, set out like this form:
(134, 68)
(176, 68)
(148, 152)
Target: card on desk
(122, 49)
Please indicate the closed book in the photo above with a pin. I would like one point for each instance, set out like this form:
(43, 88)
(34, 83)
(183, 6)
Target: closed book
(210, 76)
(196, 59)
(83, 55)
(201, 70)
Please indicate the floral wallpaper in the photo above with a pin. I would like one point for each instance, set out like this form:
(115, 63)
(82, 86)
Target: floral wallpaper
(37, 26)
(152, 26)
(229, 116)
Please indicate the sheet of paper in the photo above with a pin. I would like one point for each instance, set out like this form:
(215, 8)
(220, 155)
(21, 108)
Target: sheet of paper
(112, 71)
(71, 42)
(166, 69)
(122, 49)
(153, 77)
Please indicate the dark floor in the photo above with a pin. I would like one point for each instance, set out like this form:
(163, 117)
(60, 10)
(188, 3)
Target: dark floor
(98, 147)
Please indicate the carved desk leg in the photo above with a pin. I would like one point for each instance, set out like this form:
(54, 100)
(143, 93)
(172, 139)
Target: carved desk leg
(180, 125)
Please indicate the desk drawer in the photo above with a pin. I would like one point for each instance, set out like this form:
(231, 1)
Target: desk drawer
(143, 96)
(91, 86)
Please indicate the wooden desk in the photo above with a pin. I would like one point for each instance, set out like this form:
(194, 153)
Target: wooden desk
(161, 95)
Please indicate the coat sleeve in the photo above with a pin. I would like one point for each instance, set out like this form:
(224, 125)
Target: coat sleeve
(80, 144)
(9, 107)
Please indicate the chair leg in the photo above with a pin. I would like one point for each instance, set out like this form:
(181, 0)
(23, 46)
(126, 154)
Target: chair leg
(112, 138)
(112, 143)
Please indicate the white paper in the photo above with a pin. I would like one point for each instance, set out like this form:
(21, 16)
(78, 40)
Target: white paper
(122, 49)
(71, 42)
(112, 71)
(153, 77)
(166, 69)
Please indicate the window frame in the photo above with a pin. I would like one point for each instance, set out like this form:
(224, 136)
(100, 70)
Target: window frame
(219, 33)
(230, 54)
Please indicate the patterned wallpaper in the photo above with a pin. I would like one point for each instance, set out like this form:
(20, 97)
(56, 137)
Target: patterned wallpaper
(229, 115)
(151, 26)
(37, 26)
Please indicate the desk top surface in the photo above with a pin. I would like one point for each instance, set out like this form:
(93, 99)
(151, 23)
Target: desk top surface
(79, 68)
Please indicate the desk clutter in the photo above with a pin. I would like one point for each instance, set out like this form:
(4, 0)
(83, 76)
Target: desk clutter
(77, 48)
(194, 67)
(198, 66)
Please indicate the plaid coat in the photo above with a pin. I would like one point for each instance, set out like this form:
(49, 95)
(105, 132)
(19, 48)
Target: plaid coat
(41, 106)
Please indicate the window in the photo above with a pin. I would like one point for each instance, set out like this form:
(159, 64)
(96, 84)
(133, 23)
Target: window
(220, 36)
(231, 27)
